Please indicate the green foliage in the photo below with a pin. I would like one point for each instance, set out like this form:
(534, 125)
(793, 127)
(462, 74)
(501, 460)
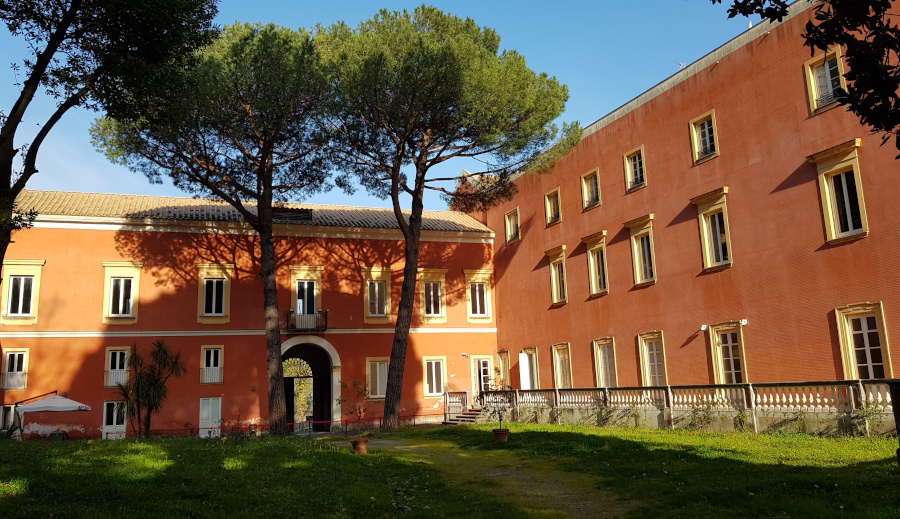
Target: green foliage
(145, 391)
(866, 417)
(701, 416)
(355, 400)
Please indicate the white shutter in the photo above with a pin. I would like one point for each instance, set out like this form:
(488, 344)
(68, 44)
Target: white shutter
(382, 378)
(524, 371)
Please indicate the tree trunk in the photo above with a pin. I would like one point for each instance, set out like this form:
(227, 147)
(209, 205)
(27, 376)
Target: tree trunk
(278, 424)
(147, 422)
(404, 319)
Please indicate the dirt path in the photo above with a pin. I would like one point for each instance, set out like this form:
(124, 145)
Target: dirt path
(536, 486)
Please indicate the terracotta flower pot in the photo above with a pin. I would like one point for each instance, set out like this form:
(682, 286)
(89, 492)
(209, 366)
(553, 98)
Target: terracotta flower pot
(360, 445)
(501, 435)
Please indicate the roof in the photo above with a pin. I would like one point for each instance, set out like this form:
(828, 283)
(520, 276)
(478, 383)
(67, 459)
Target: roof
(102, 205)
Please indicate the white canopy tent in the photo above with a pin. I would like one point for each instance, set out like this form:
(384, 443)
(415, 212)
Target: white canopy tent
(50, 403)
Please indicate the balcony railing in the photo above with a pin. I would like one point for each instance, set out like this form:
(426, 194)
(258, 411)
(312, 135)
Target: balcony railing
(14, 380)
(114, 377)
(211, 375)
(317, 322)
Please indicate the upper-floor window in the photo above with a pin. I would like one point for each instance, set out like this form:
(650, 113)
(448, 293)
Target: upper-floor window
(431, 282)
(642, 249)
(212, 371)
(552, 207)
(478, 294)
(557, 257)
(214, 296)
(825, 80)
(306, 291)
(512, 225)
(590, 189)
(214, 302)
(20, 291)
(433, 299)
(704, 138)
(596, 256)
(635, 175)
(121, 291)
(116, 367)
(15, 373)
(377, 285)
(20, 300)
(120, 297)
(840, 190)
(715, 239)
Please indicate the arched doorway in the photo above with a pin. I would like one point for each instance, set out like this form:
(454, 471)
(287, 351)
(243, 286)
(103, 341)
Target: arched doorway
(321, 364)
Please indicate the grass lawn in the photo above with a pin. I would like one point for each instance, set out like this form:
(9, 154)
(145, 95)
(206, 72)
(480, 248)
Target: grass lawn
(654, 473)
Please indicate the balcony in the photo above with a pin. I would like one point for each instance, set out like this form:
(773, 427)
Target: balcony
(14, 380)
(114, 377)
(211, 376)
(315, 322)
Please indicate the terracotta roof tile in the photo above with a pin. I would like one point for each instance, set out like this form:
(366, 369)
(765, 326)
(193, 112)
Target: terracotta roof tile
(64, 203)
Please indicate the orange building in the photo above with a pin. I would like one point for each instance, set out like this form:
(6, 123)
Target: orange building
(98, 273)
(731, 224)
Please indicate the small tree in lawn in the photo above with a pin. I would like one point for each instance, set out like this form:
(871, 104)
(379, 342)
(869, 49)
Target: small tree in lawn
(241, 127)
(145, 391)
(356, 400)
(414, 90)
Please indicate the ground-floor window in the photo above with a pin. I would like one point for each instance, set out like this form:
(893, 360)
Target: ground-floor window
(434, 377)
(210, 417)
(114, 420)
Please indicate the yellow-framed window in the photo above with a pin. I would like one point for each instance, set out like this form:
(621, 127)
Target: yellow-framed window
(635, 169)
(653, 359)
(590, 189)
(643, 259)
(825, 80)
(704, 137)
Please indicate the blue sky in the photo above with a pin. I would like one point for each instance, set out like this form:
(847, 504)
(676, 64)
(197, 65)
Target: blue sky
(606, 51)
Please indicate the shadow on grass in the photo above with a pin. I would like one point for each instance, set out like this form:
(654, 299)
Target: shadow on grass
(678, 474)
(256, 477)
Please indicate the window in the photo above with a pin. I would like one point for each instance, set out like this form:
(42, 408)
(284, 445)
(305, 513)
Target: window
(15, 369)
(512, 226)
(605, 362)
(20, 300)
(562, 366)
(7, 417)
(377, 373)
(715, 240)
(377, 283)
(825, 80)
(212, 371)
(642, 250)
(726, 341)
(704, 139)
(864, 343)
(529, 375)
(557, 257)
(840, 189)
(503, 360)
(478, 295)
(596, 256)
(121, 291)
(590, 189)
(653, 359)
(116, 366)
(431, 293)
(210, 417)
(113, 420)
(214, 296)
(482, 373)
(306, 294)
(552, 207)
(635, 174)
(434, 376)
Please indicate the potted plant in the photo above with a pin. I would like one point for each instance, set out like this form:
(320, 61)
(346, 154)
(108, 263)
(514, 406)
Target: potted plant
(500, 434)
(356, 402)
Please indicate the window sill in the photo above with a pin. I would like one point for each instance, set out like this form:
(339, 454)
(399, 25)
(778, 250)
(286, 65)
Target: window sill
(645, 283)
(120, 320)
(826, 107)
(848, 238)
(591, 206)
(20, 320)
(598, 295)
(554, 222)
(698, 161)
(375, 398)
(517, 239)
(636, 188)
(434, 320)
(557, 304)
(212, 383)
(374, 319)
(717, 268)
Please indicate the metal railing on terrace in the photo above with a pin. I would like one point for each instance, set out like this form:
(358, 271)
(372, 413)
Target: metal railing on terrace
(315, 322)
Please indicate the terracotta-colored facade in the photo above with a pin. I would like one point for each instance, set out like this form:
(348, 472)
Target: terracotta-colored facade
(787, 279)
(68, 343)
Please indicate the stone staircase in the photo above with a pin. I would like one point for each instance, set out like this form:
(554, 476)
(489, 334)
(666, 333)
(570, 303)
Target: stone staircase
(464, 418)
